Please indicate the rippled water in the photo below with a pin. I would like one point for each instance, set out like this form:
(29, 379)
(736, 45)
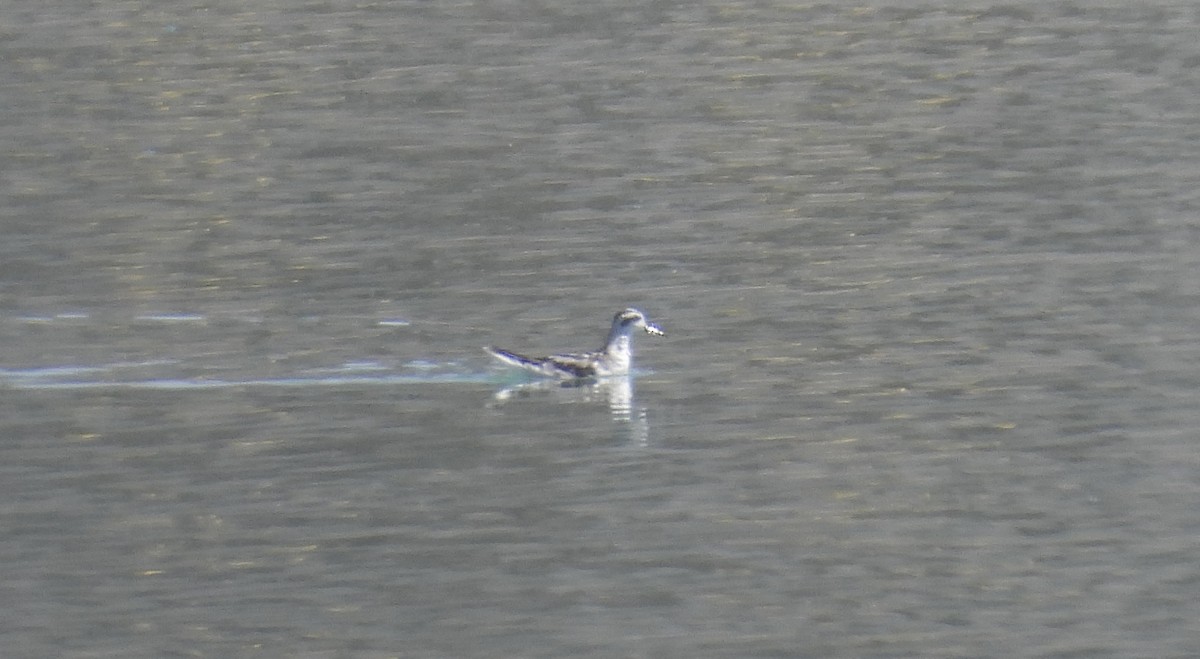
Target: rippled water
(927, 273)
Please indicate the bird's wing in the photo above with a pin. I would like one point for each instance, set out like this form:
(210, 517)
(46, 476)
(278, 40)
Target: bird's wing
(579, 365)
(562, 366)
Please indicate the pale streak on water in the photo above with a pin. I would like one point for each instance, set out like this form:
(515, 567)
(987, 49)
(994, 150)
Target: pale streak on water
(928, 271)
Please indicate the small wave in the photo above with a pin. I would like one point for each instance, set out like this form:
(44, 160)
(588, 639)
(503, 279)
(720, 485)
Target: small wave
(116, 376)
(171, 317)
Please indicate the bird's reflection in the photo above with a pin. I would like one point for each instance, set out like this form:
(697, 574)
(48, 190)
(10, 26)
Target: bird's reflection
(616, 391)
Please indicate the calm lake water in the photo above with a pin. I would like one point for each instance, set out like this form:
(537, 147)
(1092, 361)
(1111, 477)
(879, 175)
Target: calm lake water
(928, 273)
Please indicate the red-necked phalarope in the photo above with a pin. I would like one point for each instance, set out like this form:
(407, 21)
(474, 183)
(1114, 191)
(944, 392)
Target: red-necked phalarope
(615, 358)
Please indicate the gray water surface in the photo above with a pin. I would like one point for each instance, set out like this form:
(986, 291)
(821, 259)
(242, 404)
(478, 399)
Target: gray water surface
(928, 273)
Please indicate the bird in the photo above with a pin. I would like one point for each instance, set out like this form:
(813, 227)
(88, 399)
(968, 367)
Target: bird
(614, 358)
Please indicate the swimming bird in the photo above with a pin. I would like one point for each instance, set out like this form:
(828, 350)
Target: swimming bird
(615, 358)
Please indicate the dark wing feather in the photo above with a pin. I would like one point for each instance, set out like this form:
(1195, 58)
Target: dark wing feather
(565, 365)
(581, 366)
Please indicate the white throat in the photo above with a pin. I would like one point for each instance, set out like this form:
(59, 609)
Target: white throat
(619, 353)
